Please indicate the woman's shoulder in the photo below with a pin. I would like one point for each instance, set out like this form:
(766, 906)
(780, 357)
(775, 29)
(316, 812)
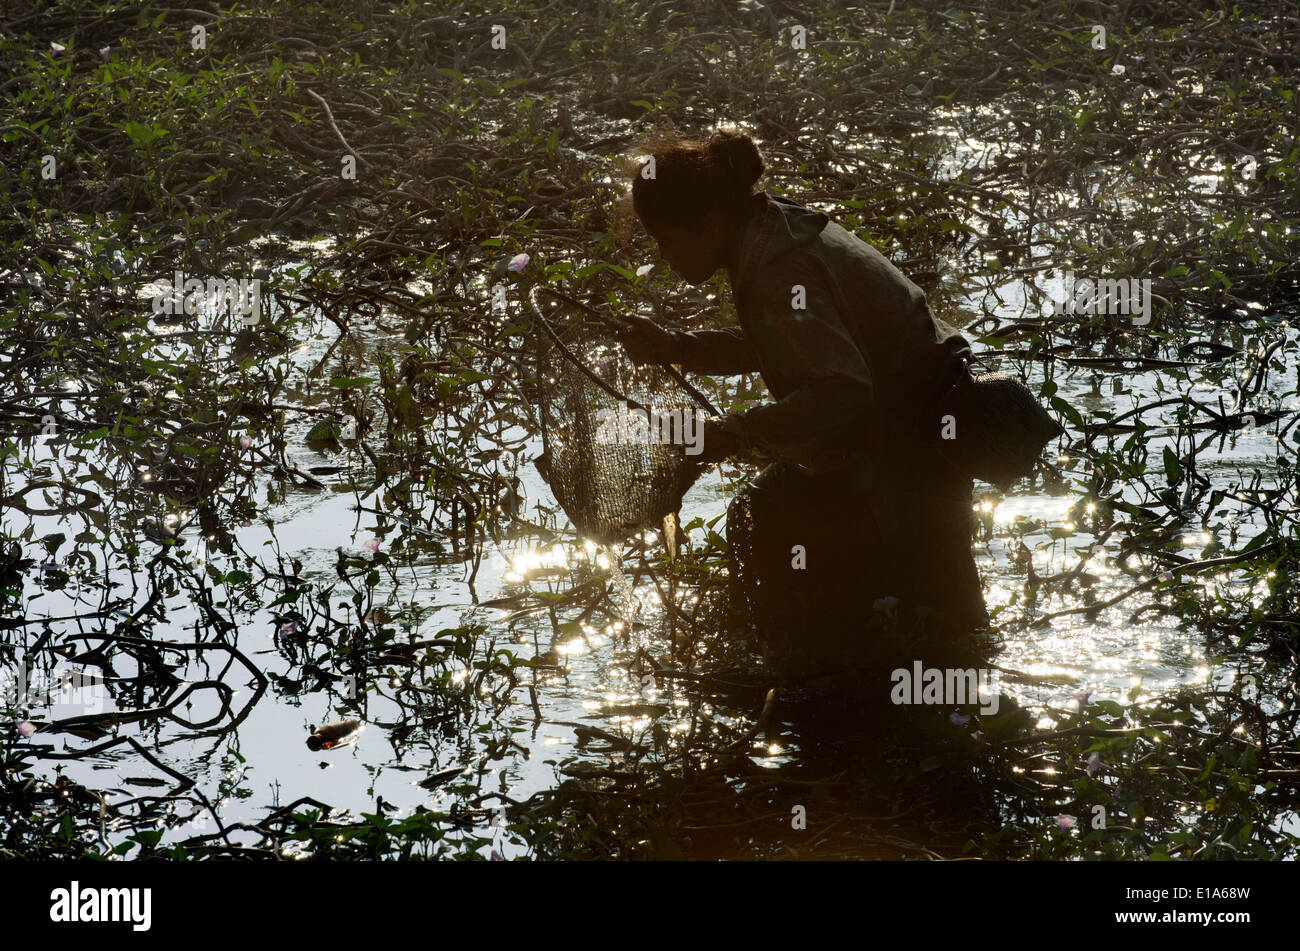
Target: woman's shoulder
(785, 227)
(796, 212)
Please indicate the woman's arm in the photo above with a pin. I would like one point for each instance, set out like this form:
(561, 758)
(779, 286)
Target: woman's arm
(827, 397)
(721, 352)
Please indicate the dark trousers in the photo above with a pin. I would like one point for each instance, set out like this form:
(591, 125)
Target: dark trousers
(815, 554)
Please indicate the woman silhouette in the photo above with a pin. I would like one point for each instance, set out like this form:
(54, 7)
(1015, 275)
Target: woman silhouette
(859, 510)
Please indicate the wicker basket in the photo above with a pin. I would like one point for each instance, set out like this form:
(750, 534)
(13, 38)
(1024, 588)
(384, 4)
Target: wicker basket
(997, 428)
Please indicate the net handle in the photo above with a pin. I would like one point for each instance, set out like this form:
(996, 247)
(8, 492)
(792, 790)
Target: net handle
(700, 399)
(571, 357)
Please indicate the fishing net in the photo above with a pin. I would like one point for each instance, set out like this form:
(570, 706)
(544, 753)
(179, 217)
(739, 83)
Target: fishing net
(614, 434)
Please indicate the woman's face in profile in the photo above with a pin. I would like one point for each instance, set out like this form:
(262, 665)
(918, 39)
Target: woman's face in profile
(693, 251)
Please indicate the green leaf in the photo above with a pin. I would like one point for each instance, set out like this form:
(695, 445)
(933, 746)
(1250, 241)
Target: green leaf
(148, 837)
(348, 382)
(142, 134)
(1068, 411)
(1173, 469)
(322, 431)
(1263, 538)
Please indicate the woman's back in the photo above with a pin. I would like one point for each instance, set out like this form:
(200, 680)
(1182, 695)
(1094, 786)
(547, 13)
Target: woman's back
(795, 256)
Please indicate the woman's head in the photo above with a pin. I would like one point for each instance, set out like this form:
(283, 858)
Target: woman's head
(693, 197)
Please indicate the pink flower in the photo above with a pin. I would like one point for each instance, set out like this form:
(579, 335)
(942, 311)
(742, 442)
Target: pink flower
(371, 545)
(1065, 822)
(26, 728)
(644, 269)
(495, 856)
(1117, 70)
(57, 48)
(288, 627)
(1166, 576)
(104, 53)
(244, 442)
(518, 262)
(1095, 765)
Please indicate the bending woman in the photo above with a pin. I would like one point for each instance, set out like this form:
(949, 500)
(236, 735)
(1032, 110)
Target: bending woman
(859, 511)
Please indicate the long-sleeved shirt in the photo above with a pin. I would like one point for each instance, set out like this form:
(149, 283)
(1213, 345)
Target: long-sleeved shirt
(846, 345)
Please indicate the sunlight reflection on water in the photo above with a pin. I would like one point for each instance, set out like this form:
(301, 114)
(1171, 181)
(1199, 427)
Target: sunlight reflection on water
(1106, 656)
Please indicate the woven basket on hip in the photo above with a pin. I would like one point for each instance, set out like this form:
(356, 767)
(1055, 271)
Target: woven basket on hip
(993, 428)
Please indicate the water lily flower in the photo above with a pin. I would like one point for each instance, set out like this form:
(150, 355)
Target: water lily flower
(958, 718)
(26, 728)
(1065, 822)
(644, 269)
(371, 545)
(57, 48)
(518, 262)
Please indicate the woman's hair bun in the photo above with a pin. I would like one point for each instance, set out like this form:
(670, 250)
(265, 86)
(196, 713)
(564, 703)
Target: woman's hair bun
(689, 178)
(736, 158)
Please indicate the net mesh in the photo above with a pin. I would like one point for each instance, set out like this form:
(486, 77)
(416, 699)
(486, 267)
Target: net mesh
(612, 476)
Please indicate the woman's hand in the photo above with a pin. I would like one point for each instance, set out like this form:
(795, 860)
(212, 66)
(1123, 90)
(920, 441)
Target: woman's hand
(647, 342)
(723, 436)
